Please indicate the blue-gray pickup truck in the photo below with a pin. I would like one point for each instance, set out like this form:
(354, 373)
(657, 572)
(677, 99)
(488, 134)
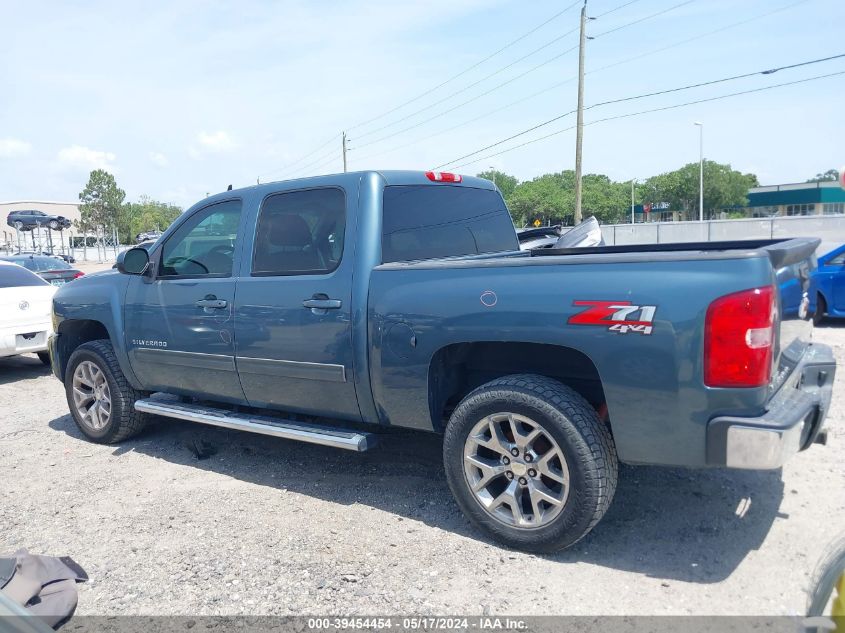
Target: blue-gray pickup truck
(324, 309)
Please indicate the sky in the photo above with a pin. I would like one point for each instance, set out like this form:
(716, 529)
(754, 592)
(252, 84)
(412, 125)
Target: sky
(181, 99)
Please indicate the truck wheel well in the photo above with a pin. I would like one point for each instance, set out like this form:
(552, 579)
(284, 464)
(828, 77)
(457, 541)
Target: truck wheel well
(74, 333)
(457, 369)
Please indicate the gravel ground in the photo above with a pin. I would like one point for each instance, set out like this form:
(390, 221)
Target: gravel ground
(267, 526)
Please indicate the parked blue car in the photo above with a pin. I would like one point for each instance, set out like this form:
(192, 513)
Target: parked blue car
(827, 286)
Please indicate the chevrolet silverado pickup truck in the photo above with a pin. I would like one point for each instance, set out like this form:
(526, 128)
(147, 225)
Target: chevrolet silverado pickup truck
(324, 309)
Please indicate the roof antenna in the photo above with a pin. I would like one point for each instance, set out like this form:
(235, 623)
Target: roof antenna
(229, 188)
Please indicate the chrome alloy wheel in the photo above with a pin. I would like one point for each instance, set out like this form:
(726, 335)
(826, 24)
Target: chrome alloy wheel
(516, 470)
(91, 395)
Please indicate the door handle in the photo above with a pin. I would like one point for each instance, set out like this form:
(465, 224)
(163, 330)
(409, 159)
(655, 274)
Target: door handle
(210, 301)
(323, 304)
(321, 301)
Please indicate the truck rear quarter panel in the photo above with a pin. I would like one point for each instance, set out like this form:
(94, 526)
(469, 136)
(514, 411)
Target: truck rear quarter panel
(657, 403)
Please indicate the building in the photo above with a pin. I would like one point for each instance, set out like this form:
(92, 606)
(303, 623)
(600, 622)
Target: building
(806, 198)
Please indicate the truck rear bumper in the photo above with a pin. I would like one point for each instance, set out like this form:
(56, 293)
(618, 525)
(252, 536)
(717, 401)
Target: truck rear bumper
(793, 420)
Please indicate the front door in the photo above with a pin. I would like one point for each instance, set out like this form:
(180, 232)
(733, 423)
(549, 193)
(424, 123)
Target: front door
(293, 307)
(180, 321)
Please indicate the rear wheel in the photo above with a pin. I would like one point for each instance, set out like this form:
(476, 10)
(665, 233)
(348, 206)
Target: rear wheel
(18, 225)
(44, 357)
(821, 309)
(101, 400)
(529, 462)
(827, 586)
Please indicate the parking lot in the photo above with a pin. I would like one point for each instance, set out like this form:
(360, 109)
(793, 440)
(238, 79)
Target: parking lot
(187, 519)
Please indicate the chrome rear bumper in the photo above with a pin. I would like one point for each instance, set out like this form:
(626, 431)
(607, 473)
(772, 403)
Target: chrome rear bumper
(793, 419)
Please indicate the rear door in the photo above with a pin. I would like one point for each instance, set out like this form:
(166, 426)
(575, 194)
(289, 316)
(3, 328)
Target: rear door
(180, 321)
(293, 309)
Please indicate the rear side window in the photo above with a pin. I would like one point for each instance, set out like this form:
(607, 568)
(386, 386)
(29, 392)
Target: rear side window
(17, 276)
(300, 233)
(428, 221)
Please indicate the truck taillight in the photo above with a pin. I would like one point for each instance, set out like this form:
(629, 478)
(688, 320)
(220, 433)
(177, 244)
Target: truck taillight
(739, 338)
(442, 176)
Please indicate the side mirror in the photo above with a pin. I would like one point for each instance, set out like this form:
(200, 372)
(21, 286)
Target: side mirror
(133, 261)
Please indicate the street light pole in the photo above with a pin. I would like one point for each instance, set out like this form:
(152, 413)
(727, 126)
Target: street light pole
(633, 180)
(700, 170)
(493, 171)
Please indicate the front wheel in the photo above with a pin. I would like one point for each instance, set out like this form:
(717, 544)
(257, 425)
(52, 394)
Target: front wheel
(530, 463)
(44, 357)
(101, 400)
(54, 225)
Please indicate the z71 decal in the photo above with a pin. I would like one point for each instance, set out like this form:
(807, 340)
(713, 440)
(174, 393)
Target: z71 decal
(616, 316)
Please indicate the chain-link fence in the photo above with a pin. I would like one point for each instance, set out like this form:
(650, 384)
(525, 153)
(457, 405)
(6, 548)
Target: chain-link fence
(101, 245)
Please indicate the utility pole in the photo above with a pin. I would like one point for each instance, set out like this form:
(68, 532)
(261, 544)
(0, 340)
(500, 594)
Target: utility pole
(344, 152)
(579, 132)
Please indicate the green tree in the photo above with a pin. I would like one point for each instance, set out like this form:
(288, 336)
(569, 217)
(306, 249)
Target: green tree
(101, 203)
(551, 199)
(723, 187)
(505, 182)
(544, 198)
(829, 175)
(145, 215)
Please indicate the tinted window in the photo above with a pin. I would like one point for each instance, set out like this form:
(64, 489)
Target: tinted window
(205, 244)
(837, 261)
(15, 276)
(300, 233)
(424, 222)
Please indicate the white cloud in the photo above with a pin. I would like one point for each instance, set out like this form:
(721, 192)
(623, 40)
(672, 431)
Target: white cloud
(79, 156)
(159, 159)
(12, 147)
(219, 141)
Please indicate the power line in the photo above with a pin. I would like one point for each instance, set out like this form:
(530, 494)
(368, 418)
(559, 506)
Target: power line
(649, 111)
(472, 85)
(330, 154)
(697, 37)
(614, 10)
(643, 19)
(469, 68)
(566, 81)
(642, 96)
(468, 101)
(475, 83)
(301, 158)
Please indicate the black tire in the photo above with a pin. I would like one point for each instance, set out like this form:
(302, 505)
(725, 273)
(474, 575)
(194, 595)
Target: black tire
(585, 441)
(124, 421)
(18, 225)
(825, 580)
(821, 309)
(44, 357)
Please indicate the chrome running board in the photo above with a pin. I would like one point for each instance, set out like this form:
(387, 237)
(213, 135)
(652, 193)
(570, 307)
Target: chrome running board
(265, 425)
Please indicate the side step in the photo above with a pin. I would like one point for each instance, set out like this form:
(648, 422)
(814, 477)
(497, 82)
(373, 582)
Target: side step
(277, 427)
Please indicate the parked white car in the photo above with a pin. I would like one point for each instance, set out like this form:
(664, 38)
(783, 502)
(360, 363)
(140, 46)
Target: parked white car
(25, 312)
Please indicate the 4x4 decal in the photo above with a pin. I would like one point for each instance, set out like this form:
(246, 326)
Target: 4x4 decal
(616, 316)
